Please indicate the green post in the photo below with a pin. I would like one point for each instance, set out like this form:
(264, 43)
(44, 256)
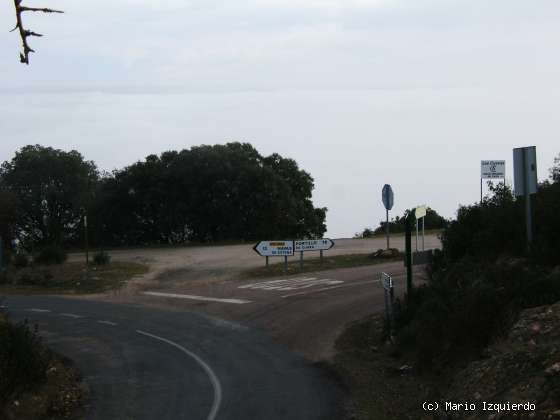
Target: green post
(408, 251)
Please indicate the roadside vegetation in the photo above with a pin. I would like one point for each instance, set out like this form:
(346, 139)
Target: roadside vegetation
(205, 194)
(433, 223)
(328, 263)
(35, 384)
(478, 286)
(49, 272)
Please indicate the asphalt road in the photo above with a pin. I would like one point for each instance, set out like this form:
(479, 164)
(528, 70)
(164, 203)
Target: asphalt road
(305, 313)
(148, 363)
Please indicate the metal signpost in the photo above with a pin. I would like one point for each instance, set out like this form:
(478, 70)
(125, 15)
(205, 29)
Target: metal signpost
(420, 213)
(387, 282)
(525, 181)
(388, 200)
(492, 169)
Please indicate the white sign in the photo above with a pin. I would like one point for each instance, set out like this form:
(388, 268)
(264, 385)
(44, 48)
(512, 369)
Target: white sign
(313, 245)
(493, 169)
(274, 248)
(525, 170)
(420, 211)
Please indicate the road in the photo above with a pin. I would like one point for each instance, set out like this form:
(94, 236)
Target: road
(305, 313)
(145, 363)
(193, 339)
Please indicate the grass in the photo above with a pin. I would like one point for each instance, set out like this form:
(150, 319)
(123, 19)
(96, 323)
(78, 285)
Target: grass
(35, 383)
(427, 232)
(314, 264)
(71, 278)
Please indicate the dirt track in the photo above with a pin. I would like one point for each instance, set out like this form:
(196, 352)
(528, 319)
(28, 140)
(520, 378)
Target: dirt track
(206, 264)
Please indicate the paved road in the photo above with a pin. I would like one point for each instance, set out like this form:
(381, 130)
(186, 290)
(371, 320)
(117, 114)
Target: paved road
(305, 313)
(146, 363)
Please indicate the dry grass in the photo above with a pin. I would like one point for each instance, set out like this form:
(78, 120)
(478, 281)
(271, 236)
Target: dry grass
(71, 277)
(315, 264)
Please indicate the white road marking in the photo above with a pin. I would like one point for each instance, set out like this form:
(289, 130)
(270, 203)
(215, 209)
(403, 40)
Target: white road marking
(112, 324)
(290, 284)
(350, 284)
(211, 375)
(38, 310)
(193, 297)
(71, 315)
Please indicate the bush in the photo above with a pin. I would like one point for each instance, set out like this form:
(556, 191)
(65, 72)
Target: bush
(51, 254)
(461, 309)
(20, 261)
(23, 359)
(101, 258)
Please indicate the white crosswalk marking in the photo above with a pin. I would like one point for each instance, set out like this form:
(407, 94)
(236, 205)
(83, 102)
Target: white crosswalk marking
(290, 284)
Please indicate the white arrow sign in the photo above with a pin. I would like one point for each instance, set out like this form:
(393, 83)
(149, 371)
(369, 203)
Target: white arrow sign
(275, 248)
(313, 245)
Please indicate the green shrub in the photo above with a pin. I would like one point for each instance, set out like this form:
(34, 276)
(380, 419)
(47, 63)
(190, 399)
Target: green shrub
(461, 309)
(23, 359)
(34, 278)
(101, 258)
(51, 254)
(20, 261)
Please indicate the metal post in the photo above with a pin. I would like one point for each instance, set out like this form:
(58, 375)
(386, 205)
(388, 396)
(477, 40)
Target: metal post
(480, 191)
(1, 252)
(423, 231)
(408, 255)
(416, 235)
(301, 260)
(387, 227)
(86, 240)
(527, 200)
(321, 256)
(285, 263)
(267, 261)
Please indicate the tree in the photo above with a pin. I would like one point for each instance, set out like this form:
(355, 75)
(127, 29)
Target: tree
(209, 193)
(26, 33)
(53, 188)
(555, 170)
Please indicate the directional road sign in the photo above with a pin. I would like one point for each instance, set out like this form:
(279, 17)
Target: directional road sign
(313, 245)
(420, 211)
(275, 248)
(387, 196)
(492, 169)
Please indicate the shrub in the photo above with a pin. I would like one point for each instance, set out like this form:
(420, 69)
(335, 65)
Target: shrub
(101, 258)
(51, 254)
(461, 309)
(20, 261)
(23, 358)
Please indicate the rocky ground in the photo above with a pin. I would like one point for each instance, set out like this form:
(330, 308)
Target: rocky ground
(524, 367)
(521, 368)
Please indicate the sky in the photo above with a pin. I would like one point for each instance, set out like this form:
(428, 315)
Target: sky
(414, 93)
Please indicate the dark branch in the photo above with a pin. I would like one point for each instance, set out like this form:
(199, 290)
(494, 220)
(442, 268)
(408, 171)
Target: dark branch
(25, 33)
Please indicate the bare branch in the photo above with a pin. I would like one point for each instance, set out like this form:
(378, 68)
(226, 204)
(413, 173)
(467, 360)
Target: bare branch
(25, 33)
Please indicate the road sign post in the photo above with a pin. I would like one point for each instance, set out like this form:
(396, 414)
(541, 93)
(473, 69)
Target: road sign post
(388, 290)
(408, 251)
(420, 213)
(525, 182)
(388, 199)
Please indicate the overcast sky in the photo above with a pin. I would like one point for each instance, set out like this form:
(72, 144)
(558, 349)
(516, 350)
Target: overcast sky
(360, 92)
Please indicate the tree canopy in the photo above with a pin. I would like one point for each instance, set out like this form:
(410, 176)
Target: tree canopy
(203, 194)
